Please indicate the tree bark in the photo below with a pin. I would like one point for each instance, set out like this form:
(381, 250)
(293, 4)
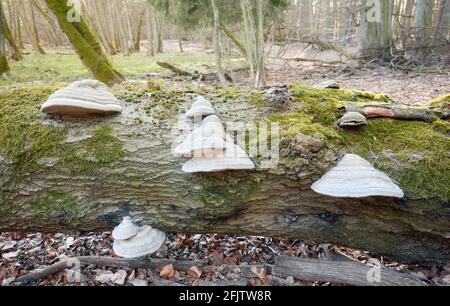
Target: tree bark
(16, 55)
(54, 192)
(340, 272)
(85, 44)
(442, 31)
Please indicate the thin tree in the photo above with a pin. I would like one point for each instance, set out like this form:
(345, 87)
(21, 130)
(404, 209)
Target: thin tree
(217, 48)
(84, 43)
(16, 54)
(254, 37)
(4, 67)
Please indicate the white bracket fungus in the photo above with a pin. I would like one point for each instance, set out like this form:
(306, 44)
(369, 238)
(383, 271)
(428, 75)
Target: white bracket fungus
(355, 177)
(82, 98)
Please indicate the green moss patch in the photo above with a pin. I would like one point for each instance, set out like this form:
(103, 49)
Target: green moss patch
(57, 205)
(291, 124)
(413, 153)
(24, 139)
(441, 103)
(223, 193)
(97, 152)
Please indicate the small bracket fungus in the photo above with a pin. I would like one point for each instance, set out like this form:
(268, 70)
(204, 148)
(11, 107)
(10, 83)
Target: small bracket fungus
(352, 119)
(201, 107)
(355, 177)
(233, 158)
(210, 146)
(147, 241)
(82, 98)
(125, 230)
(329, 84)
(204, 139)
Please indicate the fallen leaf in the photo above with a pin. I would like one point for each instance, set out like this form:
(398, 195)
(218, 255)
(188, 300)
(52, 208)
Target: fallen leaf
(10, 255)
(167, 272)
(193, 274)
(104, 277)
(262, 275)
(119, 277)
(7, 246)
(139, 283)
(2, 274)
(217, 258)
(230, 260)
(255, 282)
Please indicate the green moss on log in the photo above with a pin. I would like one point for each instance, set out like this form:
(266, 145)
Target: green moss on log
(414, 153)
(25, 140)
(94, 153)
(57, 205)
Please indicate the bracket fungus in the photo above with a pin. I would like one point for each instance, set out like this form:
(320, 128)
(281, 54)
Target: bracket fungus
(209, 136)
(212, 148)
(145, 242)
(82, 98)
(233, 158)
(201, 107)
(329, 84)
(355, 177)
(125, 230)
(352, 119)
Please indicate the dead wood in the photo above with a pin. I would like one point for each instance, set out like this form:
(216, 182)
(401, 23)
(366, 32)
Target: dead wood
(341, 272)
(397, 112)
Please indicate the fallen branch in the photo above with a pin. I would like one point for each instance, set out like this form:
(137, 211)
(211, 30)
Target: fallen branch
(341, 272)
(44, 273)
(135, 263)
(397, 112)
(174, 69)
(302, 59)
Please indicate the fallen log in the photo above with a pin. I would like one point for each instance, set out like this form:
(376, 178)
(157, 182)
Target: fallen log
(398, 112)
(133, 264)
(74, 174)
(174, 69)
(340, 272)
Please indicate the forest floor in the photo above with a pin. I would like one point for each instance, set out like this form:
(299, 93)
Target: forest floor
(417, 85)
(23, 252)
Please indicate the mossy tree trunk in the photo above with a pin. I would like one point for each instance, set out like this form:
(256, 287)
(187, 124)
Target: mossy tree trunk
(85, 44)
(85, 175)
(4, 67)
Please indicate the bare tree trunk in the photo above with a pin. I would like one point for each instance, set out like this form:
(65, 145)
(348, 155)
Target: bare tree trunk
(375, 33)
(423, 25)
(442, 32)
(138, 35)
(254, 36)
(180, 41)
(217, 48)
(150, 31)
(30, 28)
